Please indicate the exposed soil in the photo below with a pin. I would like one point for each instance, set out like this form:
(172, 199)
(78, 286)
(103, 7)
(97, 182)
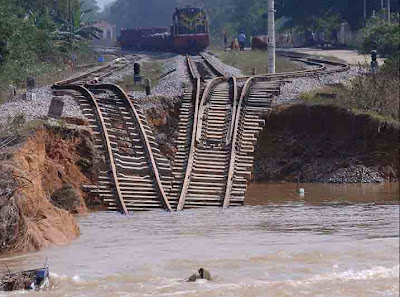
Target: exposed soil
(321, 143)
(163, 119)
(32, 172)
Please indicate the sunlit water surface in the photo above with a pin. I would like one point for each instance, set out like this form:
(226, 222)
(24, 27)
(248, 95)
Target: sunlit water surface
(337, 240)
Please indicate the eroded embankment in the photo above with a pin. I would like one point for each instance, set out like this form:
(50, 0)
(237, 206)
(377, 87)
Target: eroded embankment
(41, 181)
(326, 144)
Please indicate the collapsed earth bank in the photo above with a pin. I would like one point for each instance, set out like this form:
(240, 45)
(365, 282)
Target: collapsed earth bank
(40, 188)
(309, 143)
(328, 144)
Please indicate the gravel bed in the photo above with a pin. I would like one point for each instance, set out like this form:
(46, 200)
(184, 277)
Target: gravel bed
(226, 69)
(38, 106)
(169, 87)
(127, 71)
(355, 174)
(291, 91)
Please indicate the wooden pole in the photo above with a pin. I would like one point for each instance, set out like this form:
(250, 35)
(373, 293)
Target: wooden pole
(388, 10)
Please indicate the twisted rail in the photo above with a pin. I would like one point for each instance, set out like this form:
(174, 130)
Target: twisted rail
(117, 89)
(85, 92)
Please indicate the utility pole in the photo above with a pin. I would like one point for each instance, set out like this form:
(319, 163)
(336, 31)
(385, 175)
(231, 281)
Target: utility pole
(388, 10)
(271, 36)
(365, 10)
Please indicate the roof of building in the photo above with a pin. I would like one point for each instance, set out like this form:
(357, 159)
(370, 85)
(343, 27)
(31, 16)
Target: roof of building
(103, 24)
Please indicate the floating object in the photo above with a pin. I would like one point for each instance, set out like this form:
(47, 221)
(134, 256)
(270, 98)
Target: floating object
(301, 191)
(202, 274)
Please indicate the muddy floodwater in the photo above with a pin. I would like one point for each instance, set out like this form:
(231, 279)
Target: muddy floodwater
(337, 240)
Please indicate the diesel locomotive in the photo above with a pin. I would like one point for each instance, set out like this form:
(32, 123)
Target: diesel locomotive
(188, 33)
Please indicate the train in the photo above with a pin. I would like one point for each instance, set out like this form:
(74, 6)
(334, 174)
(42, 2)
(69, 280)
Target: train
(188, 33)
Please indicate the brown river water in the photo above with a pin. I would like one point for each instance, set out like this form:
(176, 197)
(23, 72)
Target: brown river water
(337, 240)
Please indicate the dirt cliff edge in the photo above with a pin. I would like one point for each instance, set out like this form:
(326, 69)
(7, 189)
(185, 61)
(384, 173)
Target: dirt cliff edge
(30, 173)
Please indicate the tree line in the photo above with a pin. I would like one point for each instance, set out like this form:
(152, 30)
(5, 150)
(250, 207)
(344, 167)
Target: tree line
(249, 15)
(38, 35)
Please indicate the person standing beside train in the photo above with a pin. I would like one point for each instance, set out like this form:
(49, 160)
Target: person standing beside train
(242, 40)
(225, 35)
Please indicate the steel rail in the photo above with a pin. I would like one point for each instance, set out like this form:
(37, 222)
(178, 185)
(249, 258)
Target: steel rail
(189, 63)
(234, 106)
(232, 160)
(212, 66)
(117, 89)
(101, 69)
(206, 95)
(189, 166)
(322, 69)
(85, 92)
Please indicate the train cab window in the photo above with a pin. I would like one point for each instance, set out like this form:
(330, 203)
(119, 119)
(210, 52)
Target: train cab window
(182, 30)
(200, 29)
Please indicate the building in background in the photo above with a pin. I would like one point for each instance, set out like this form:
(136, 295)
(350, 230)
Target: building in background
(109, 36)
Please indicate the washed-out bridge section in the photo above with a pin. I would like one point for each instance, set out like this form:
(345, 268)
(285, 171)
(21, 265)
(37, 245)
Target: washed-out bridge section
(220, 120)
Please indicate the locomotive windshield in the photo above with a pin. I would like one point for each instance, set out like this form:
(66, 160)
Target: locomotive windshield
(190, 21)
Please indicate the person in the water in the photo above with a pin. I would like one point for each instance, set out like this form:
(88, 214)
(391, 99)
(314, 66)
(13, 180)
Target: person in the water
(203, 274)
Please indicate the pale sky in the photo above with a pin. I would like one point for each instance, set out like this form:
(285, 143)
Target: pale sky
(102, 3)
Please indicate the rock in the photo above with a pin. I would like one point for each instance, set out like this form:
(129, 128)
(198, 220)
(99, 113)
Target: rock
(200, 274)
(161, 138)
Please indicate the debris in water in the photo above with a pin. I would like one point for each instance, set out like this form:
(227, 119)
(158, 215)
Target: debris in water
(202, 274)
(35, 279)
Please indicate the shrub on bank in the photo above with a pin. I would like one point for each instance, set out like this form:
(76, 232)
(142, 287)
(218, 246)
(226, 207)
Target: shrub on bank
(382, 36)
(375, 94)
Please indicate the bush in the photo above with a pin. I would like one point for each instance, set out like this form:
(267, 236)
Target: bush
(382, 36)
(67, 198)
(373, 93)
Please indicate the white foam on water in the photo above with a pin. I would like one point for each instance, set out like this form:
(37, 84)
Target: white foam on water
(62, 277)
(374, 273)
(14, 293)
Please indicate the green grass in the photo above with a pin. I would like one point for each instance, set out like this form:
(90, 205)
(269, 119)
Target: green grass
(367, 99)
(151, 69)
(18, 126)
(247, 60)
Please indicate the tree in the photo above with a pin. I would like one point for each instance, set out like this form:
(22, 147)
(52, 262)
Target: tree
(91, 10)
(382, 36)
(71, 31)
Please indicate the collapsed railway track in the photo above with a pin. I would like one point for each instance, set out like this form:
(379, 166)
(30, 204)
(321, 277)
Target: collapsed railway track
(220, 119)
(218, 132)
(136, 176)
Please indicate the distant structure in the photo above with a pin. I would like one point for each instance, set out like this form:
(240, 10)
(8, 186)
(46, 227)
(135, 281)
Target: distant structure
(109, 36)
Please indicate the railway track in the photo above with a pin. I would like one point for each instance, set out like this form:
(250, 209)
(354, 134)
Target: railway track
(135, 176)
(218, 134)
(220, 120)
(99, 73)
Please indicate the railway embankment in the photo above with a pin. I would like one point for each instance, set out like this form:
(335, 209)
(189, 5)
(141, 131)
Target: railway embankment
(40, 187)
(328, 144)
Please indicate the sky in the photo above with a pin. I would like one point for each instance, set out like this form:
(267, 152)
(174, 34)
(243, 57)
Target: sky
(103, 3)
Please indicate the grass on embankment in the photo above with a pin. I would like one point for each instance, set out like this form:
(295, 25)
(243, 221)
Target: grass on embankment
(376, 95)
(247, 60)
(151, 69)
